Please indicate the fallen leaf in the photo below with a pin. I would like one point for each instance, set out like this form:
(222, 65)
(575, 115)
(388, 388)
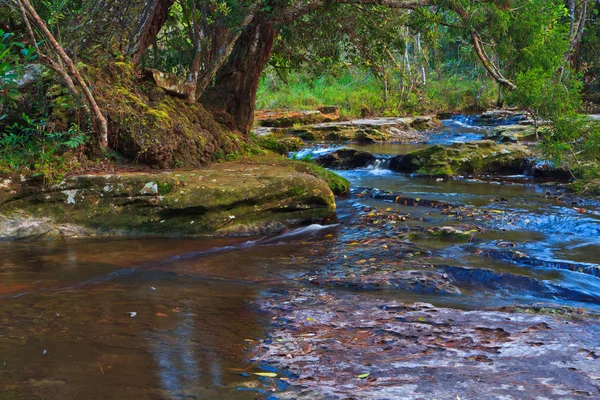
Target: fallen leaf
(266, 374)
(363, 376)
(159, 314)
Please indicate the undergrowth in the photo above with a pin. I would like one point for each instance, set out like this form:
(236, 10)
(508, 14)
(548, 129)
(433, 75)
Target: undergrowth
(27, 147)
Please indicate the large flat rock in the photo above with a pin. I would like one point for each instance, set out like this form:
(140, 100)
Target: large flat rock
(244, 197)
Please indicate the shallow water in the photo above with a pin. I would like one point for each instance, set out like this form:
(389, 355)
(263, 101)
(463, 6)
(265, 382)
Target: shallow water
(65, 325)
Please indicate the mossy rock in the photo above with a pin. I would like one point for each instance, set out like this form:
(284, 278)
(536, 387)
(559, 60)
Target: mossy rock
(248, 196)
(515, 133)
(282, 146)
(288, 119)
(371, 135)
(336, 183)
(482, 157)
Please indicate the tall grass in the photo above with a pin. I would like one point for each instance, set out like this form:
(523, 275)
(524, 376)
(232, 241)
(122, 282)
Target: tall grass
(354, 92)
(358, 93)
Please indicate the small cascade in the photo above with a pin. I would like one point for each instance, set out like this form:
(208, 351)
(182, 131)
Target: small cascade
(489, 119)
(313, 152)
(465, 120)
(380, 166)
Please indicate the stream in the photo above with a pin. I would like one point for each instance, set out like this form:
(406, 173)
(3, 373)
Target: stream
(176, 318)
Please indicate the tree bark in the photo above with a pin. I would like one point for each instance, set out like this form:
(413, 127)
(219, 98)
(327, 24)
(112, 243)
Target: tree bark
(149, 23)
(576, 30)
(233, 96)
(221, 55)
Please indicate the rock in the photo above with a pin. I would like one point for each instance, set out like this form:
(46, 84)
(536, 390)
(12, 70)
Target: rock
(329, 110)
(156, 128)
(412, 349)
(170, 83)
(499, 117)
(374, 130)
(514, 133)
(412, 280)
(546, 170)
(464, 158)
(345, 159)
(288, 119)
(281, 146)
(243, 197)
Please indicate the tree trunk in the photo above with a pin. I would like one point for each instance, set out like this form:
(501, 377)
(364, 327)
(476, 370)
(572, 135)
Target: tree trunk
(149, 24)
(128, 27)
(233, 96)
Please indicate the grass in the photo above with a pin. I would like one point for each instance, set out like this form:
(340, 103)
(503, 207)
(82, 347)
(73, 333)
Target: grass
(357, 93)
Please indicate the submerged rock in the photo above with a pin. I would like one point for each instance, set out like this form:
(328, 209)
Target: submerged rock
(414, 281)
(244, 197)
(464, 158)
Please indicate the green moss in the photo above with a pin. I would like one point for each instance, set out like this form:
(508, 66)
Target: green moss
(129, 96)
(336, 183)
(125, 67)
(156, 128)
(279, 145)
(466, 158)
(164, 188)
(158, 114)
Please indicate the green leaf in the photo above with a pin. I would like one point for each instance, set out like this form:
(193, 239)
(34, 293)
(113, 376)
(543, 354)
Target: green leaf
(363, 376)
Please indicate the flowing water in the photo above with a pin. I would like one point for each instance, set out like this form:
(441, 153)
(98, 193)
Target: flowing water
(166, 318)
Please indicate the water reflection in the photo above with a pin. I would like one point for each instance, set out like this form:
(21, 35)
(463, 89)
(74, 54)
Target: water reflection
(178, 370)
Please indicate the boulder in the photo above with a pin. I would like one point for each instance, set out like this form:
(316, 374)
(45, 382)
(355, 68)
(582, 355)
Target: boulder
(481, 157)
(345, 158)
(546, 169)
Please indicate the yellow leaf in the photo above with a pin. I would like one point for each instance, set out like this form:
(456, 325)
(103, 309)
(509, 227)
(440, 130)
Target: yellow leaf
(266, 374)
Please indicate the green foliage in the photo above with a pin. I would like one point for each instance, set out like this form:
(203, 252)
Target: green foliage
(574, 143)
(13, 57)
(545, 95)
(26, 146)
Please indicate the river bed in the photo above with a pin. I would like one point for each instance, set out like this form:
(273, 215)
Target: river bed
(175, 318)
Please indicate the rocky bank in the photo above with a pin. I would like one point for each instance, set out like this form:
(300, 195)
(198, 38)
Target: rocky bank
(257, 195)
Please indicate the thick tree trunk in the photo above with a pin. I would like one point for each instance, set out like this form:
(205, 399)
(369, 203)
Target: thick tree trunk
(149, 23)
(233, 96)
(109, 26)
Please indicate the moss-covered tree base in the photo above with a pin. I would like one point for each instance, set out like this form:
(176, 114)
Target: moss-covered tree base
(257, 195)
(150, 126)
